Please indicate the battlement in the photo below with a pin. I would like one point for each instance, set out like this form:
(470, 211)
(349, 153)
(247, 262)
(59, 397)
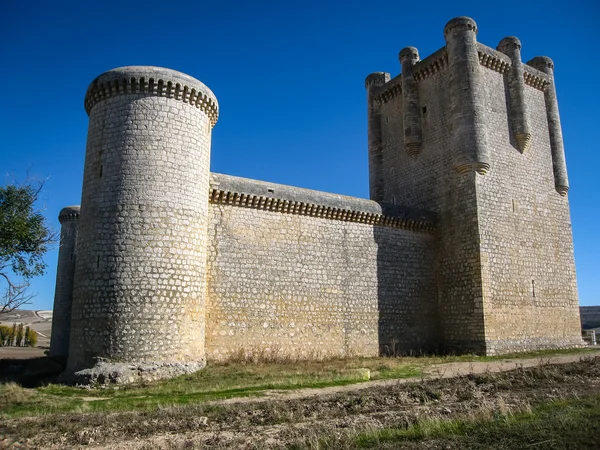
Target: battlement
(68, 213)
(156, 81)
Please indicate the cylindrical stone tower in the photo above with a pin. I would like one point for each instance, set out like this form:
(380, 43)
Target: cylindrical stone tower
(561, 180)
(511, 47)
(376, 185)
(411, 110)
(466, 97)
(63, 294)
(140, 285)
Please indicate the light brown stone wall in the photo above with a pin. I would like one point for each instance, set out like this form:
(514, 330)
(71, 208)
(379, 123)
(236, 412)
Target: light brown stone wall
(295, 286)
(528, 268)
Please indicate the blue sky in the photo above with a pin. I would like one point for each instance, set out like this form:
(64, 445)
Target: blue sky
(289, 77)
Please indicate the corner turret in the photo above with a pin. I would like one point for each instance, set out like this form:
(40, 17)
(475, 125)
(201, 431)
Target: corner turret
(559, 165)
(469, 143)
(411, 108)
(511, 47)
(65, 272)
(376, 184)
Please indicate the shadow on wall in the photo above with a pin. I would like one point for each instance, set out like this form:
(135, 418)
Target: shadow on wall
(406, 292)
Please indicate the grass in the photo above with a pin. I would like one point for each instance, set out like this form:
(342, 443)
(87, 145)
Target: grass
(572, 423)
(212, 383)
(224, 381)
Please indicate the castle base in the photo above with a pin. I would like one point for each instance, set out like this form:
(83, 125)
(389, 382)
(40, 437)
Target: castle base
(106, 372)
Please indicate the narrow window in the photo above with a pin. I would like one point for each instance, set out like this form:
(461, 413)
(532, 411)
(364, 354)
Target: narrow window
(514, 206)
(533, 287)
(424, 109)
(101, 167)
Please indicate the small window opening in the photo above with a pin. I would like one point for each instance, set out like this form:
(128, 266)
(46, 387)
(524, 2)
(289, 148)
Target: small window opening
(533, 287)
(101, 168)
(271, 190)
(387, 120)
(514, 206)
(424, 109)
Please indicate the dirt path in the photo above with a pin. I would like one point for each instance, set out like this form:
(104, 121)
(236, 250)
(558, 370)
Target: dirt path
(436, 371)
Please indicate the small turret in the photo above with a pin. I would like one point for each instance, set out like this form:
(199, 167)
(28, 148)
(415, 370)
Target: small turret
(376, 181)
(559, 165)
(65, 272)
(511, 47)
(466, 99)
(413, 134)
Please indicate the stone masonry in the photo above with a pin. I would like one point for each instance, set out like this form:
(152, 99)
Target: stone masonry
(464, 246)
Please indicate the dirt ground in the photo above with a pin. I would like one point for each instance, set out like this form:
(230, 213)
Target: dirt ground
(293, 418)
(21, 352)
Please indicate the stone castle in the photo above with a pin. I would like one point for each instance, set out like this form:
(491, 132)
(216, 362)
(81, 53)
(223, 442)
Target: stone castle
(464, 246)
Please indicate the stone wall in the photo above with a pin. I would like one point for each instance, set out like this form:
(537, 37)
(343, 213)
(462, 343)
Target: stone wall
(292, 284)
(526, 239)
(505, 232)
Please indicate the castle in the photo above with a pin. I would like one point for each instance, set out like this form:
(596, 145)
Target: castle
(464, 246)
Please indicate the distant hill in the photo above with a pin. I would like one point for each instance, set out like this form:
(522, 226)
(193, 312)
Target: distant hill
(38, 320)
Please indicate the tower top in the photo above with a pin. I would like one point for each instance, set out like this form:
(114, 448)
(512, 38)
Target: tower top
(462, 23)
(154, 81)
(68, 213)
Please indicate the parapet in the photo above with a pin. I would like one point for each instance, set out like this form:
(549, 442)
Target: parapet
(68, 213)
(153, 81)
(244, 192)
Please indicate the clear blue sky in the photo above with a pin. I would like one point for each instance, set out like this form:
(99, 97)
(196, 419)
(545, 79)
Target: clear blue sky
(289, 77)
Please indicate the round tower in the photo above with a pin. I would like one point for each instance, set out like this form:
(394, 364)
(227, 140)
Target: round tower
(140, 280)
(63, 294)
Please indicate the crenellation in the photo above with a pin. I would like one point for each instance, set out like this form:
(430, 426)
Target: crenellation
(167, 265)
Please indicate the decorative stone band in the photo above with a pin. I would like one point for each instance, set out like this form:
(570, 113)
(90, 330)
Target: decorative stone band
(431, 65)
(246, 193)
(493, 60)
(68, 213)
(393, 89)
(154, 81)
(534, 80)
